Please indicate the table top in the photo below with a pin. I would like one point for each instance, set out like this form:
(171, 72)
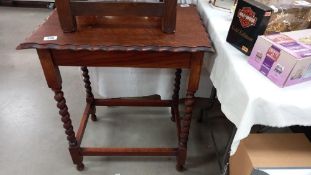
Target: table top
(247, 97)
(123, 34)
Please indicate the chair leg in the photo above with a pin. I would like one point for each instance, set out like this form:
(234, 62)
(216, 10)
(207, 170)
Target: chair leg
(175, 97)
(89, 94)
(169, 16)
(66, 19)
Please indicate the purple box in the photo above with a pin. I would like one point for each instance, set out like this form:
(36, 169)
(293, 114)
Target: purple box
(285, 58)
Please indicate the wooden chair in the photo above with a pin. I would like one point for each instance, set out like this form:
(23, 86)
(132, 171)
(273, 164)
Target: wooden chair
(69, 9)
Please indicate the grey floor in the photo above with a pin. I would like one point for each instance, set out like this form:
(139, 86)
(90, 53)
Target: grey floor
(32, 140)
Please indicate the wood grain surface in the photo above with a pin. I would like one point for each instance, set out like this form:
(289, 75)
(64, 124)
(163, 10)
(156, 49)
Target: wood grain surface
(123, 34)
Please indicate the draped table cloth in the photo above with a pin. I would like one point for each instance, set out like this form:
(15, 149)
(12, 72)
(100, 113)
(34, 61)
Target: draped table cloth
(247, 97)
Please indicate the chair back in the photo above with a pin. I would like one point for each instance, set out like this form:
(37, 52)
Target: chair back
(69, 9)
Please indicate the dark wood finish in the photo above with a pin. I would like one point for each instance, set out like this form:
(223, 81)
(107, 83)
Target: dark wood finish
(67, 11)
(193, 84)
(76, 157)
(129, 151)
(112, 34)
(121, 59)
(177, 121)
(175, 102)
(32, 4)
(87, 84)
(63, 111)
(195, 71)
(50, 70)
(89, 94)
(73, 144)
(110, 45)
(175, 96)
(132, 102)
(83, 123)
(54, 81)
(6, 2)
(84, 8)
(189, 101)
(66, 18)
(169, 16)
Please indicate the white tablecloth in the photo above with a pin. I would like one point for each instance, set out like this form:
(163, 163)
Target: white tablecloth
(246, 96)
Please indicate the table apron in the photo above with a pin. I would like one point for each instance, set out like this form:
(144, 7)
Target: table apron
(145, 59)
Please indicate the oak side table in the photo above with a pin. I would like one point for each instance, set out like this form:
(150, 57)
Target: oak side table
(122, 42)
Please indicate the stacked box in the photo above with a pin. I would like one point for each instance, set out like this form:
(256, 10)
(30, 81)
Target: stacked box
(272, 154)
(284, 58)
(261, 17)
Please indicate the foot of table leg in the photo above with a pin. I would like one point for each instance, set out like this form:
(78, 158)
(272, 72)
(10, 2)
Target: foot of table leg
(93, 114)
(80, 166)
(93, 117)
(181, 159)
(77, 158)
(175, 96)
(182, 151)
(179, 168)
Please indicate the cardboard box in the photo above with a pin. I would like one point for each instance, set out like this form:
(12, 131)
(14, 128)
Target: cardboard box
(284, 58)
(272, 154)
(262, 17)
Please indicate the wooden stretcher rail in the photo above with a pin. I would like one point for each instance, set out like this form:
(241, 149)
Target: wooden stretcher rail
(83, 123)
(129, 151)
(133, 102)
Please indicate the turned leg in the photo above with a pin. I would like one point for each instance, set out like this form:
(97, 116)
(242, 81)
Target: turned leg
(189, 101)
(175, 97)
(193, 84)
(89, 94)
(54, 81)
(73, 144)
